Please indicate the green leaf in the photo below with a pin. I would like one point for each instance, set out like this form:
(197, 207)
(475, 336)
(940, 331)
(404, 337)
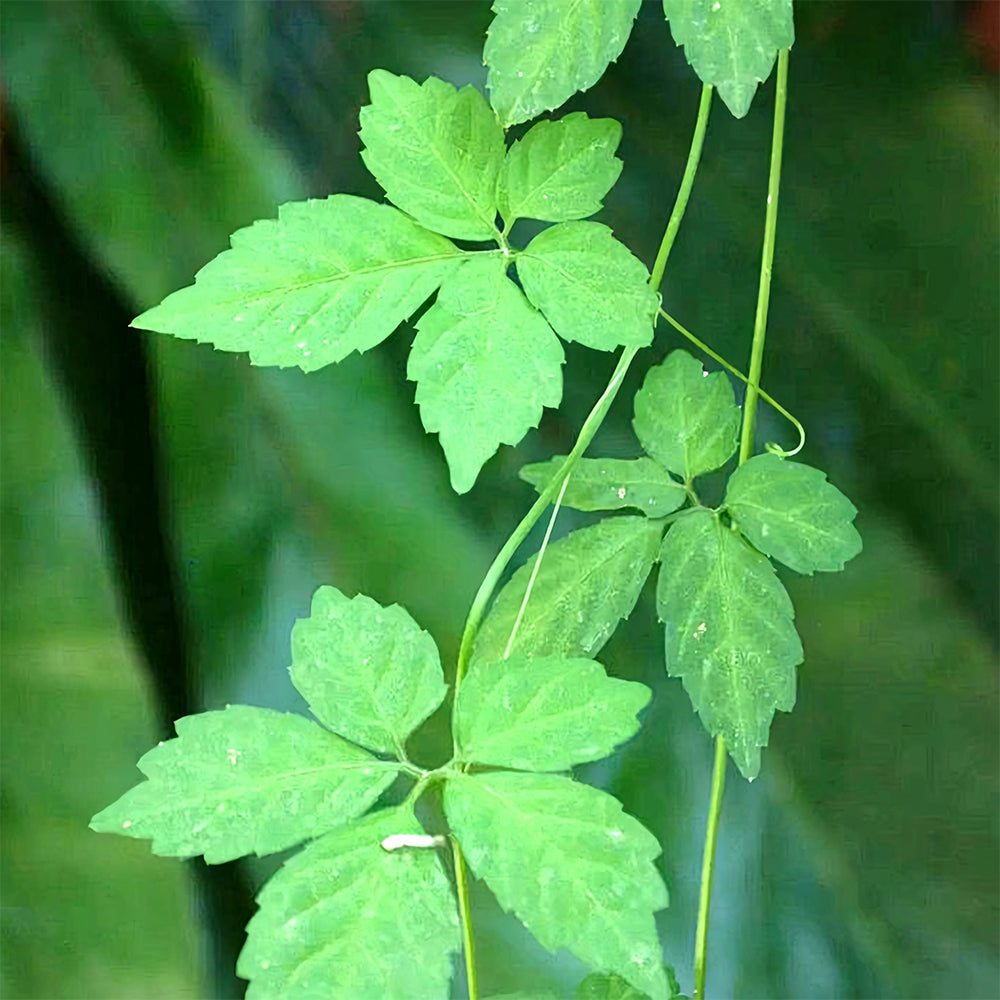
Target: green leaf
(588, 285)
(245, 780)
(608, 986)
(541, 52)
(367, 672)
(326, 278)
(436, 151)
(575, 869)
(587, 583)
(729, 633)
(686, 419)
(485, 364)
(612, 483)
(346, 918)
(731, 44)
(544, 714)
(560, 170)
(789, 511)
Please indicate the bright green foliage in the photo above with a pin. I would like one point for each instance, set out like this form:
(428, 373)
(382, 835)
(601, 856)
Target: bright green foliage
(589, 286)
(541, 52)
(575, 869)
(560, 170)
(789, 511)
(612, 483)
(436, 151)
(485, 363)
(686, 419)
(544, 714)
(367, 672)
(245, 780)
(729, 632)
(326, 278)
(731, 44)
(346, 918)
(587, 583)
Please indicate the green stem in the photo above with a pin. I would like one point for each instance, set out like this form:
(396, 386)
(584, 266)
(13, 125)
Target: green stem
(684, 191)
(746, 446)
(465, 916)
(766, 261)
(708, 867)
(586, 435)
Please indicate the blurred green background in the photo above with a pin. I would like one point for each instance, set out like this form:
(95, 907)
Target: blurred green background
(167, 511)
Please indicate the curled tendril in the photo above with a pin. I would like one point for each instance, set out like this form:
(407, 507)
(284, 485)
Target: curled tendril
(771, 447)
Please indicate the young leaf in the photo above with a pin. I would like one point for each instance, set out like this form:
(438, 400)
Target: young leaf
(544, 714)
(485, 364)
(245, 781)
(612, 483)
(731, 44)
(588, 285)
(560, 171)
(686, 419)
(587, 583)
(575, 869)
(346, 918)
(789, 511)
(729, 633)
(367, 672)
(326, 278)
(541, 52)
(436, 151)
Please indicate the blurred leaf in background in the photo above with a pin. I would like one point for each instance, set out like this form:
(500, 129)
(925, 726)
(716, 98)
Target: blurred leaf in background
(864, 861)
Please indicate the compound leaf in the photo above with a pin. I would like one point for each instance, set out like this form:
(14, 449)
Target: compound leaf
(485, 363)
(369, 673)
(589, 286)
(612, 483)
(575, 869)
(346, 918)
(731, 44)
(541, 52)
(560, 170)
(685, 418)
(789, 511)
(326, 278)
(544, 714)
(245, 780)
(587, 583)
(436, 151)
(729, 633)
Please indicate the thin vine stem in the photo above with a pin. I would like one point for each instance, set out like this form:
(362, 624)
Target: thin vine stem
(465, 918)
(766, 261)
(702, 346)
(535, 569)
(746, 447)
(708, 867)
(590, 427)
